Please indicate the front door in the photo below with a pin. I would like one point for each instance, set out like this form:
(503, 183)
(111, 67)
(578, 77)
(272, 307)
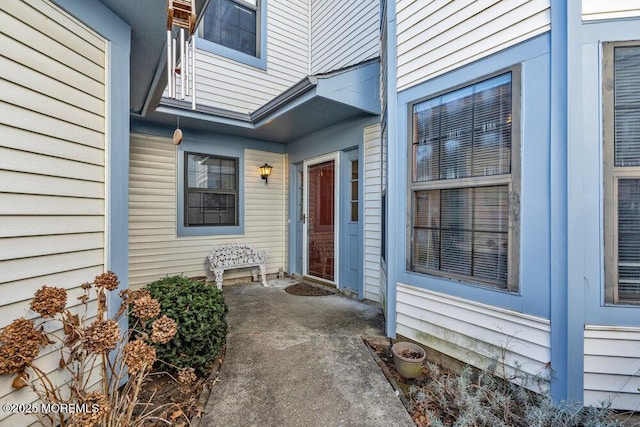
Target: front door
(321, 212)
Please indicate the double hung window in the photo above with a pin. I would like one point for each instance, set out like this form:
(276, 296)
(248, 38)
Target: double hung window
(622, 171)
(465, 183)
(233, 24)
(211, 190)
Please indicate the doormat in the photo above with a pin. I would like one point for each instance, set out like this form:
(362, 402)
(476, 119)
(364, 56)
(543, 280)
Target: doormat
(307, 290)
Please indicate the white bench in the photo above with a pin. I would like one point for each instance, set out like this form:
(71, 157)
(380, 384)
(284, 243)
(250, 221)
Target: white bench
(237, 255)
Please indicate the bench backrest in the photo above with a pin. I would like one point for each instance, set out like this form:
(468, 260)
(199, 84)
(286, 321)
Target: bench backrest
(234, 254)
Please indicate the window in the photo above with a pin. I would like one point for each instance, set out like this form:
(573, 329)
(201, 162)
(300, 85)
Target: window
(622, 171)
(234, 24)
(465, 183)
(211, 190)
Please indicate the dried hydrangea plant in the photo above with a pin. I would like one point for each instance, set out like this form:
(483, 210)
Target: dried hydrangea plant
(89, 342)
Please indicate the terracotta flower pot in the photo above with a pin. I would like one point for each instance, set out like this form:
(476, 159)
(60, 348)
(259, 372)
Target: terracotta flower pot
(408, 367)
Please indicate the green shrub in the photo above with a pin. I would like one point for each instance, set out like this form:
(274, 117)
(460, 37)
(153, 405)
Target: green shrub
(199, 311)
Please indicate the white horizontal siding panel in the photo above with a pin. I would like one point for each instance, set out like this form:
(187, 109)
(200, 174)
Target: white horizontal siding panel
(27, 77)
(481, 331)
(621, 401)
(33, 121)
(610, 9)
(343, 33)
(24, 204)
(422, 24)
(26, 162)
(36, 246)
(23, 225)
(18, 182)
(60, 71)
(361, 22)
(432, 44)
(71, 25)
(52, 47)
(19, 269)
(26, 141)
(471, 332)
(442, 40)
(612, 365)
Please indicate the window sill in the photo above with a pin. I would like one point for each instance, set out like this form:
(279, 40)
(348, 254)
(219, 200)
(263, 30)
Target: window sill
(234, 55)
(210, 230)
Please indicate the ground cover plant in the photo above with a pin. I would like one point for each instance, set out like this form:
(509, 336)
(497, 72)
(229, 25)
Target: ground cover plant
(473, 397)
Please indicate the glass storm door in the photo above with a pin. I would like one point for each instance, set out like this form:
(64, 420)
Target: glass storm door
(320, 218)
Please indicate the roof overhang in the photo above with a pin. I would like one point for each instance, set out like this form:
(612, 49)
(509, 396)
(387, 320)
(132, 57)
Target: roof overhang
(148, 22)
(314, 103)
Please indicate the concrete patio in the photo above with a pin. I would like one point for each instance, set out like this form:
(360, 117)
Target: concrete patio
(300, 361)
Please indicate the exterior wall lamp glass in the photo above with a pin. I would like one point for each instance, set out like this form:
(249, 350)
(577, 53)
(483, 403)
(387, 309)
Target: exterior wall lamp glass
(265, 171)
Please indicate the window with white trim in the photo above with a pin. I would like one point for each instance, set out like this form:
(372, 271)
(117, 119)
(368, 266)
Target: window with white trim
(465, 183)
(211, 190)
(233, 24)
(622, 171)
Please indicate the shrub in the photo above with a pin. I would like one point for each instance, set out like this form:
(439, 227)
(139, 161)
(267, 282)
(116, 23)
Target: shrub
(199, 311)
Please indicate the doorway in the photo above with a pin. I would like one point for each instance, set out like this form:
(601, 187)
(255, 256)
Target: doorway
(320, 218)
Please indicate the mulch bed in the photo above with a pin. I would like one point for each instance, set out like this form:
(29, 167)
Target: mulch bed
(161, 391)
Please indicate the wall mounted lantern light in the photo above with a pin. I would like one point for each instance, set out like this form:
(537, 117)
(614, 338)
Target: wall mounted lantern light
(265, 171)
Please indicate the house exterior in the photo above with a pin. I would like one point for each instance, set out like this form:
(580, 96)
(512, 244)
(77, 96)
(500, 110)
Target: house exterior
(468, 165)
(507, 133)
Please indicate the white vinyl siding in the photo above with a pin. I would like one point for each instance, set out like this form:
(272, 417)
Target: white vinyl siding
(343, 33)
(611, 9)
(52, 163)
(441, 35)
(372, 207)
(611, 363)
(471, 332)
(154, 249)
(231, 85)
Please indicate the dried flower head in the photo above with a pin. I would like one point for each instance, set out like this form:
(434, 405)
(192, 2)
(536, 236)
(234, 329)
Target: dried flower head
(107, 280)
(163, 330)
(186, 379)
(19, 345)
(71, 324)
(138, 356)
(101, 336)
(86, 286)
(97, 408)
(48, 301)
(145, 307)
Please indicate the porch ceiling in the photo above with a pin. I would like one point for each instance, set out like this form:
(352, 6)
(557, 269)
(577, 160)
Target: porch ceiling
(148, 20)
(314, 103)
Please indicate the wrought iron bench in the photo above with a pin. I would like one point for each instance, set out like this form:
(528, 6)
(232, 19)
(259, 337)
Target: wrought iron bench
(237, 255)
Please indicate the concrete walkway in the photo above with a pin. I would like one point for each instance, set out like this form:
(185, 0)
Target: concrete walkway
(300, 361)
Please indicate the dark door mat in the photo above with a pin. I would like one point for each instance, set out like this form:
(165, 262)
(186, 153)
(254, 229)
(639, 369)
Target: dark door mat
(307, 290)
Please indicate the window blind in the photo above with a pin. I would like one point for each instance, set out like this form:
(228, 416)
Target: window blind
(627, 106)
(463, 231)
(465, 133)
